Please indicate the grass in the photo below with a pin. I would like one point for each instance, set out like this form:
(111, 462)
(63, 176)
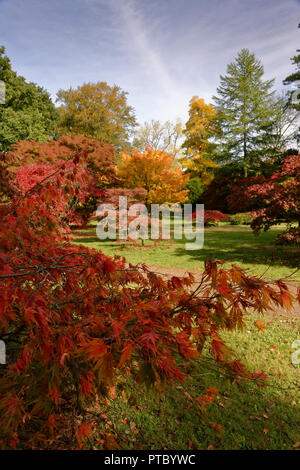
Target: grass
(247, 416)
(233, 244)
(251, 417)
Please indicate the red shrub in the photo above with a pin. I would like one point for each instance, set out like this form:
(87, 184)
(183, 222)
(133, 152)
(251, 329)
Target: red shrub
(229, 194)
(210, 217)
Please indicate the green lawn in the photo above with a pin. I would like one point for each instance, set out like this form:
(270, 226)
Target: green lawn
(251, 417)
(234, 244)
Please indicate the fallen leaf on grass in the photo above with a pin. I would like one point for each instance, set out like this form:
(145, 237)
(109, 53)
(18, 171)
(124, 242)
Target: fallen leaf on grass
(260, 325)
(217, 427)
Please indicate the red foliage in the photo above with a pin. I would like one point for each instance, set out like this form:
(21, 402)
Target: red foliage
(29, 162)
(134, 196)
(280, 197)
(210, 217)
(238, 200)
(100, 156)
(73, 319)
(70, 183)
(229, 194)
(214, 196)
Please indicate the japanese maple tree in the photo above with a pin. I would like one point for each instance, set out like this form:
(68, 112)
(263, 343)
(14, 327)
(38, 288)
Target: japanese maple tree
(73, 319)
(100, 156)
(29, 162)
(280, 199)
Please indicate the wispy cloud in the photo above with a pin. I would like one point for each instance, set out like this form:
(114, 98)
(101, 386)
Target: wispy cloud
(139, 42)
(161, 51)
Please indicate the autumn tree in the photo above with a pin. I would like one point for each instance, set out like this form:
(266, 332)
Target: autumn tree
(159, 136)
(279, 197)
(29, 162)
(28, 112)
(198, 146)
(96, 110)
(245, 110)
(100, 156)
(156, 172)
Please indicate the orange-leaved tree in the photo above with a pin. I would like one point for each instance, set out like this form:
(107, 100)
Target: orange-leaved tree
(156, 172)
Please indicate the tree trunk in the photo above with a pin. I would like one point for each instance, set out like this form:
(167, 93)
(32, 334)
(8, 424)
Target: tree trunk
(245, 155)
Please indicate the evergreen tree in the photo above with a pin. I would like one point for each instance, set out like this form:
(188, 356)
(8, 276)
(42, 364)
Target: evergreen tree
(294, 78)
(246, 111)
(27, 111)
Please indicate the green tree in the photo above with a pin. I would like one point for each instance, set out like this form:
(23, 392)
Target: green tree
(97, 110)
(196, 188)
(281, 134)
(28, 112)
(294, 79)
(246, 111)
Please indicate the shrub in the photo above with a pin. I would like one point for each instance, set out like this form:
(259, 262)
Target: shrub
(211, 218)
(290, 237)
(196, 188)
(240, 219)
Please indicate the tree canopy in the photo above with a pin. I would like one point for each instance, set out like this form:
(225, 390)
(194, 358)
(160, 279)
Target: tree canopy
(28, 112)
(294, 78)
(199, 129)
(159, 136)
(245, 108)
(157, 173)
(97, 110)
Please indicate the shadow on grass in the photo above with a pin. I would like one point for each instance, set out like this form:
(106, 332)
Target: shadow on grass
(241, 246)
(242, 416)
(233, 244)
(249, 416)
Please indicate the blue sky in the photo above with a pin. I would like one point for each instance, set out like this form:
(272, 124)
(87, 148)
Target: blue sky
(162, 52)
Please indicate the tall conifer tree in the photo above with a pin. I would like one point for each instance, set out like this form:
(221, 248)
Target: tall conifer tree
(245, 109)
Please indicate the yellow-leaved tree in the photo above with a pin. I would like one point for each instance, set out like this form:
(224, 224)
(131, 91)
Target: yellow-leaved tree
(198, 132)
(155, 171)
(96, 110)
